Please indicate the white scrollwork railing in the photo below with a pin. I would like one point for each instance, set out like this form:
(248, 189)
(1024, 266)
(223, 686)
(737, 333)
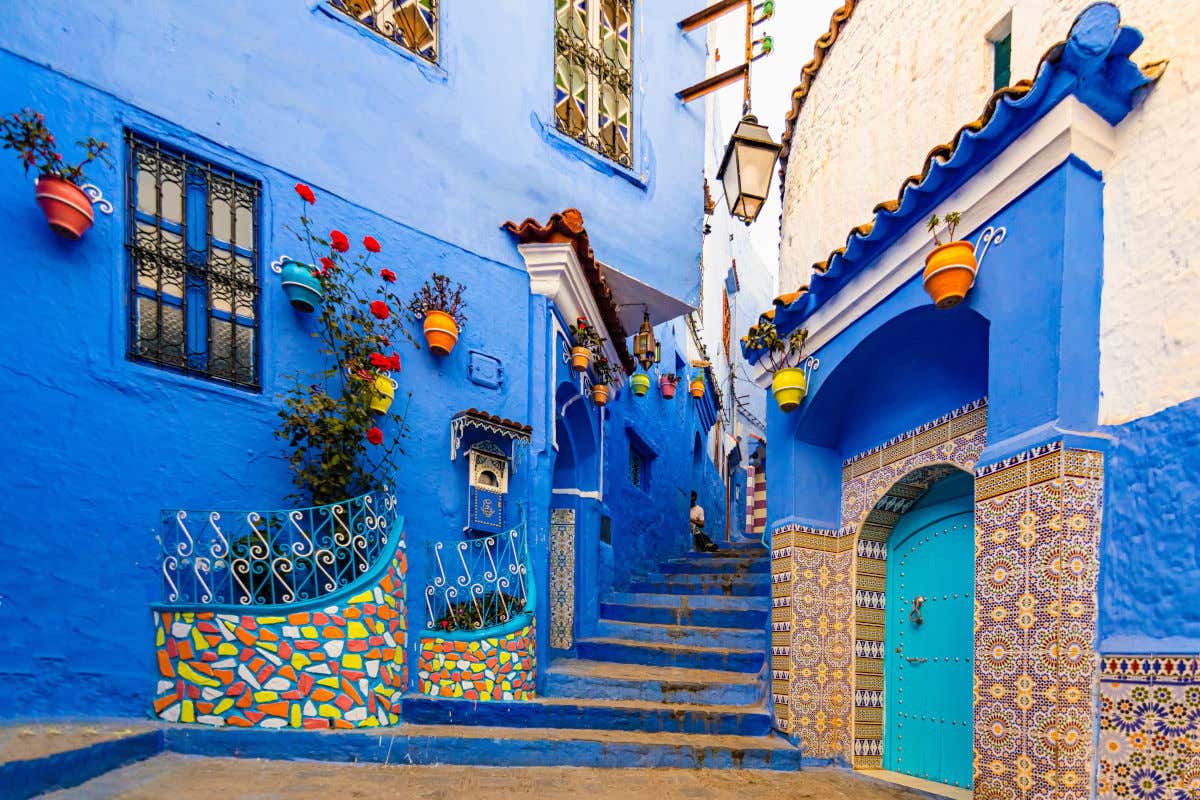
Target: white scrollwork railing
(255, 558)
(481, 585)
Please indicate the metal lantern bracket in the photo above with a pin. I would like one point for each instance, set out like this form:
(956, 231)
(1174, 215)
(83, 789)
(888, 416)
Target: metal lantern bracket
(992, 236)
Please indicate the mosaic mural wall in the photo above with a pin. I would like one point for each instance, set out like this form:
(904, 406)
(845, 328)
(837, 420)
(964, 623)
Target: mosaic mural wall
(878, 486)
(1037, 536)
(562, 578)
(340, 667)
(1149, 728)
(494, 668)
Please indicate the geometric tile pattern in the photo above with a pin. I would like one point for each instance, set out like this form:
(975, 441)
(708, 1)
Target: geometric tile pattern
(495, 668)
(1037, 537)
(340, 667)
(879, 486)
(781, 626)
(1149, 728)
(562, 578)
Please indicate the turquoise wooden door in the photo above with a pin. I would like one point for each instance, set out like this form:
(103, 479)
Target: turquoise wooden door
(929, 637)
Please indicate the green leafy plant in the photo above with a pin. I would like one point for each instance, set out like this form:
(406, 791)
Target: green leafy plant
(605, 373)
(337, 448)
(585, 335)
(951, 221)
(670, 377)
(27, 134)
(781, 351)
(439, 293)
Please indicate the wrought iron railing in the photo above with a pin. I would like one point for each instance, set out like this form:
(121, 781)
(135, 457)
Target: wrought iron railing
(254, 558)
(478, 583)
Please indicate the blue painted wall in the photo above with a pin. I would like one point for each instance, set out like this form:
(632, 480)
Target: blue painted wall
(429, 160)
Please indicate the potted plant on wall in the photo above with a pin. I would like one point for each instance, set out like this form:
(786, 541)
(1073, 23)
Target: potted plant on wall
(789, 384)
(604, 376)
(950, 269)
(67, 207)
(639, 382)
(586, 340)
(439, 305)
(333, 417)
(696, 386)
(667, 383)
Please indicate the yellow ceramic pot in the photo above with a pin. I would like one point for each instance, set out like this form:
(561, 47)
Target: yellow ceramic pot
(640, 383)
(950, 273)
(789, 387)
(383, 391)
(696, 388)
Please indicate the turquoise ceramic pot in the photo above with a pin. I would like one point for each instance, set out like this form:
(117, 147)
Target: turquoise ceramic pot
(303, 289)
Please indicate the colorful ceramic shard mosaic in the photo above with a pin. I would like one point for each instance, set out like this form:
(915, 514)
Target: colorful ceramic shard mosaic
(342, 666)
(500, 667)
(1149, 728)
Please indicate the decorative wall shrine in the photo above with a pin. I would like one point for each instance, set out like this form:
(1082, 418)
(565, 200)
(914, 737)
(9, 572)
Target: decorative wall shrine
(337, 662)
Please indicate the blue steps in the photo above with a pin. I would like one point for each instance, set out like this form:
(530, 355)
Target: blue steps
(713, 601)
(677, 584)
(499, 747)
(627, 651)
(569, 677)
(734, 638)
(715, 566)
(684, 615)
(591, 714)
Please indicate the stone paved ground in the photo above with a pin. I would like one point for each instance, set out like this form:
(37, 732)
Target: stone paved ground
(21, 741)
(189, 778)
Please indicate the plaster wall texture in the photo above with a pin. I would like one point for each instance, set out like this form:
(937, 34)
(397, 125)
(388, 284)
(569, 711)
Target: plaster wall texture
(429, 160)
(902, 77)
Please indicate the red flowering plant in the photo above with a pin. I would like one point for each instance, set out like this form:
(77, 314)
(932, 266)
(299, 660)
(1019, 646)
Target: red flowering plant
(338, 446)
(27, 134)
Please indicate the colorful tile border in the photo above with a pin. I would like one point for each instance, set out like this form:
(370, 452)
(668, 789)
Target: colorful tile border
(494, 668)
(873, 501)
(562, 578)
(340, 667)
(1149, 728)
(1037, 538)
(781, 626)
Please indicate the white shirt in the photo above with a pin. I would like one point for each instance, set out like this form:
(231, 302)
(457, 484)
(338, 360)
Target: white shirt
(697, 515)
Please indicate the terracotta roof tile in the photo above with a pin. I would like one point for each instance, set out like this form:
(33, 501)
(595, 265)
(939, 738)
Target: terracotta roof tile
(567, 227)
(496, 420)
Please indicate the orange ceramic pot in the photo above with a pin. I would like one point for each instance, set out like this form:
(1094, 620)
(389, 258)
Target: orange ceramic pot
(950, 273)
(441, 331)
(696, 388)
(67, 208)
(580, 358)
(600, 394)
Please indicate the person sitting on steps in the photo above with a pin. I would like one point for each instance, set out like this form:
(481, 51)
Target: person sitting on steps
(700, 539)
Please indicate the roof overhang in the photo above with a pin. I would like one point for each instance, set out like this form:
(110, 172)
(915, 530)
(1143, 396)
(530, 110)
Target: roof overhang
(635, 297)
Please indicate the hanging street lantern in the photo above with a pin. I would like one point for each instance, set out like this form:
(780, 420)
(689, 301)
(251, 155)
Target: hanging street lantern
(645, 349)
(747, 168)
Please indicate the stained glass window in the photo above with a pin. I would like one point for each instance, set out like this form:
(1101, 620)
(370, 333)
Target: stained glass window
(593, 75)
(193, 259)
(412, 24)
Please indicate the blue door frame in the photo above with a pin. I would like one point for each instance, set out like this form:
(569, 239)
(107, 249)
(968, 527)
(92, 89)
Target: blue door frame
(929, 637)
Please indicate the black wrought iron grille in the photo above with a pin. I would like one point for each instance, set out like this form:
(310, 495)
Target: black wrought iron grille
(593, 81)
(412, 24)
(192, 236)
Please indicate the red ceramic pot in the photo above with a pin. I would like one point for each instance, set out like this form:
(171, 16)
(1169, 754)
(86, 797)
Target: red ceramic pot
(68, 210)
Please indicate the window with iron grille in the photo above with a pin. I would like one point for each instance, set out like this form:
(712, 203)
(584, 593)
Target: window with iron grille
(593, 75)
(639, 474)
(411, 24)
(193, 264)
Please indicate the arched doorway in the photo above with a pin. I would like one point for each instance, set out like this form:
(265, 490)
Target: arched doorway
(929, 634)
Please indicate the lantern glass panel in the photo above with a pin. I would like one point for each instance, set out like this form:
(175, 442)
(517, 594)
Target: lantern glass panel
(754, 163)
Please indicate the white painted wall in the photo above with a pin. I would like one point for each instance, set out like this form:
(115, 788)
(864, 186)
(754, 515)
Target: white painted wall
(903, 77)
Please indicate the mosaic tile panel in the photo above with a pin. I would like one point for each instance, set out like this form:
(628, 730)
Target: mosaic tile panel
(879, 486)
(781, 626)
(1149, 728)
(340, 667)
(1037, 518)
(494, 668)
(562, 578)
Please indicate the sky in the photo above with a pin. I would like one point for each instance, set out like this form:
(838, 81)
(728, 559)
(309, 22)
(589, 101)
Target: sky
(795, 28)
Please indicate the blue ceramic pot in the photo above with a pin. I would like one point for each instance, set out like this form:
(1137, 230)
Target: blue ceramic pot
(303, 289)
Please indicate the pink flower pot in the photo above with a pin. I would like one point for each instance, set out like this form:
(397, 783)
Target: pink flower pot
(68, 210)
(667, 388)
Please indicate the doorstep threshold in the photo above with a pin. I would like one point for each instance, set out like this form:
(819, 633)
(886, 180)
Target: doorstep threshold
(931, 788)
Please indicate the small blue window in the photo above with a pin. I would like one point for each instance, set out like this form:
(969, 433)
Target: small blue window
(193, 230)
(639, 467)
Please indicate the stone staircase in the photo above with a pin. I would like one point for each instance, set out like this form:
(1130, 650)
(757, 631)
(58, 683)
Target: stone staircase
(675, 674)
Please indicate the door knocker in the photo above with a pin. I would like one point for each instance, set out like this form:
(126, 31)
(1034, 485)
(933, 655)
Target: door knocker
(915, 615)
